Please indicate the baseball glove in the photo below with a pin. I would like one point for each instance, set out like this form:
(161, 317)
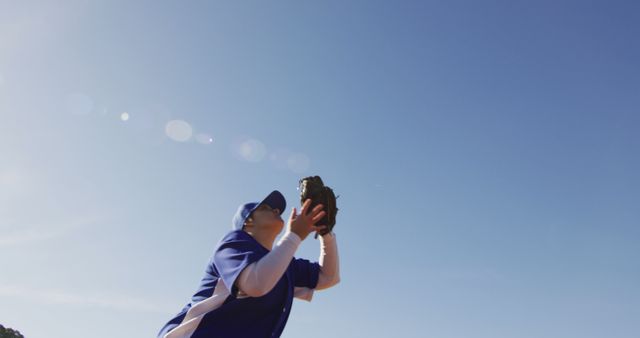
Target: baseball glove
(312, 187)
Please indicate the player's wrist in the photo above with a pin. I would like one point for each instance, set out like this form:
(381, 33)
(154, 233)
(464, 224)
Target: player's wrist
(293, 237)
(328, 235)
(301, 235)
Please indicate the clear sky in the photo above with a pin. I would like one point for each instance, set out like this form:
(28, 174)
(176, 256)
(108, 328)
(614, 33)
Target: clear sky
(486, 154)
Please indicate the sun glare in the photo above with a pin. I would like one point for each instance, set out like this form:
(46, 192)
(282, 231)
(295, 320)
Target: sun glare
(204, 139)
(179, 130)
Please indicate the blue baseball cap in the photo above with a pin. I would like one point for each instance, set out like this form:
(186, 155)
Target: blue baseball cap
(275, 200)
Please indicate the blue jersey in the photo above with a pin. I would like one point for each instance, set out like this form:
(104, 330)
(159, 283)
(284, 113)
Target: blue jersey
(237, 316)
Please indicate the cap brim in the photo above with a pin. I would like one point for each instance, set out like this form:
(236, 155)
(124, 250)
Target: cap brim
(276, 201)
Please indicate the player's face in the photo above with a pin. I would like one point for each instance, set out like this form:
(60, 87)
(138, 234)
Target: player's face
(266, 217)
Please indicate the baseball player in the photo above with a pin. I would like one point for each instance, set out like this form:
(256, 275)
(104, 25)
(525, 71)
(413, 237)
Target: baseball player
(249, 283)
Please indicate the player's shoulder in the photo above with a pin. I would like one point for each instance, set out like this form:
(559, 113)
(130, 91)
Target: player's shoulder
(238, 238)
(238, 242)
(236, 235)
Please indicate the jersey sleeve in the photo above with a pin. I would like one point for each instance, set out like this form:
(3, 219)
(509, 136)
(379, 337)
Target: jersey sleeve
(305, 273)
(236, 251)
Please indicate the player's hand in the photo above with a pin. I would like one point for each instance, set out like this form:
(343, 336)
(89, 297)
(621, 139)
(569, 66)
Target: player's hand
(304, 223)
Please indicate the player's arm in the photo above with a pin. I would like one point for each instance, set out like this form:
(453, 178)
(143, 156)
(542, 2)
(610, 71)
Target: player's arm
(329, 262)
(258, 278)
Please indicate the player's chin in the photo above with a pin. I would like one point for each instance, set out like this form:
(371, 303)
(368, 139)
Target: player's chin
(279, 223)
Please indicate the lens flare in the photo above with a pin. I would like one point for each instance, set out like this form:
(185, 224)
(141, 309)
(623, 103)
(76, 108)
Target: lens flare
(204, 139)
(178, 130)
(248, 149)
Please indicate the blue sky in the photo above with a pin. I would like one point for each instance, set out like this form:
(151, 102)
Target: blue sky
(485, 154)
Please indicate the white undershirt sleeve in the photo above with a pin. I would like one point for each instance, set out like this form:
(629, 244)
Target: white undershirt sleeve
(329, 262)
(258, 278)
